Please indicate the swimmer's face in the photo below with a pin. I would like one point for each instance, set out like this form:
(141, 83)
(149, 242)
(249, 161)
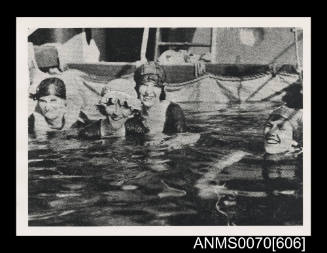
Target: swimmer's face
(52, 107)
(278, 135)
(117, 110)
(149, 93)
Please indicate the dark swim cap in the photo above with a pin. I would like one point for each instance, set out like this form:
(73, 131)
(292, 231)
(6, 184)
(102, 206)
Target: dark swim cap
(148, 70)
(295, 87)
(51, 86)
(294, 95)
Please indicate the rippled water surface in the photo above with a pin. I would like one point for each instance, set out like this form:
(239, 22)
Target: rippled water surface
(222, 179)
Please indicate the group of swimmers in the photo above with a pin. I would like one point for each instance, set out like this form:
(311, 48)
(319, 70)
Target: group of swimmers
(142, 109)
(127, 110)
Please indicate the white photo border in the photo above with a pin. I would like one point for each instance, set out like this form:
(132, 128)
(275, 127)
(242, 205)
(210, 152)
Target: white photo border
(22, 26)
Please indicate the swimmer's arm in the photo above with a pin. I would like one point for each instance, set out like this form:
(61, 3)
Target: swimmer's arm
(135, 127)
(176, 141)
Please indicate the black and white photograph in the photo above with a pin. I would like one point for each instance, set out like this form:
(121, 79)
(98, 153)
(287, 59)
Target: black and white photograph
(136, 123)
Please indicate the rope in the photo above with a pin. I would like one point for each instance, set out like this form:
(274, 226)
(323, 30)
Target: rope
(200, 70)
(241, 79)
(288, 74)
(219, 78)
(228, 93)
(178, 86)
(283, 79)
(182, 84)
(261, 87)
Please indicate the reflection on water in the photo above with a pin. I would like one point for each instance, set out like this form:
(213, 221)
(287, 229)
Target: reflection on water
(220, 180)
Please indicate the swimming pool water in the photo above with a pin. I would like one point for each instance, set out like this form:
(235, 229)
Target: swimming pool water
(113, 181)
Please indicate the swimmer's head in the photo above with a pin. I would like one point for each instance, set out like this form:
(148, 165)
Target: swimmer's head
(118, 100)
(51, 97)
(150, 72)
(115, 108)
(150, 79)
(279, 132)
(294, 95)
(51, 86)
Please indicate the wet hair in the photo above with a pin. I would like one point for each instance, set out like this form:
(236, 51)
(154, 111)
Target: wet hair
(51, 86)
(294, 97)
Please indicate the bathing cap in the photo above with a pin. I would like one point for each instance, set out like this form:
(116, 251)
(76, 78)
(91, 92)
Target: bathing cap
(51, 86)
(123, 90)
(290, 114)
(150, 69)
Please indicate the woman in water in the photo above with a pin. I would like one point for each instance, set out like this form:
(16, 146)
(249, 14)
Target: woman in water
(118, 103)
(281, 164)
(164, 120)
(284, 127)
(160, 115)
(51, 113)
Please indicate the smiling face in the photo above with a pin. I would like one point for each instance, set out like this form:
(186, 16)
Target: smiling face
(116, 110)
(149, 93)
(52, 107)
(278, 135)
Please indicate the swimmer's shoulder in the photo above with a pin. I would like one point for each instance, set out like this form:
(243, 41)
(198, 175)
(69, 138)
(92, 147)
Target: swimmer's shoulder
(174, 107)
(91, 130)
(175, 119)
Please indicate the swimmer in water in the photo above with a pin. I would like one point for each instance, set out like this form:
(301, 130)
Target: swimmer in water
(282, 138)
(118, 103)
(160, 115)
(50, 113)
(283, 159)
(284, 127)
(164, 120)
